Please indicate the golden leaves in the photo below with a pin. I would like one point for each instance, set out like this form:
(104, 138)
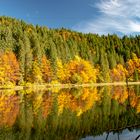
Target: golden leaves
(119, 73)
(120, 94)
(9, 68)
(133, 65)
(76, 71)
(64, 100)
(9, 108)
(80, 104)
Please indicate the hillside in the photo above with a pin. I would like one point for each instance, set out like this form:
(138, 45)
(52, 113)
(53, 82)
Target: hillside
(40, 55)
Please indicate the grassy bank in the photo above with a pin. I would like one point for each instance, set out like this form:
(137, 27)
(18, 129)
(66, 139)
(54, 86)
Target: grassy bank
(46, 86)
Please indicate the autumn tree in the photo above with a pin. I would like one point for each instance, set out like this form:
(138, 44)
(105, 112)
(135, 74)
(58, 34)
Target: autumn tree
(9, 68)
(118, 73)
(61, 72)
(133, 67)
(81, 71)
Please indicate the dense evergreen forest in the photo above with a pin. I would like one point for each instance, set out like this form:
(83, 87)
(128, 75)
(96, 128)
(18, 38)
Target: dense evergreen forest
(37, 54)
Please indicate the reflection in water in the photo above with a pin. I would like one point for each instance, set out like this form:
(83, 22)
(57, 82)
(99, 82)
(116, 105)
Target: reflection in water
(70, 114)
(9, 108)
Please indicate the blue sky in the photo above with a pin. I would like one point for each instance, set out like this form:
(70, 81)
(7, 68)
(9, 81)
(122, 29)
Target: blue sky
(96, 16)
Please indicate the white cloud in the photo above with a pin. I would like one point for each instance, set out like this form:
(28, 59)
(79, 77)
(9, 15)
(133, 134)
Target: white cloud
(115, 16)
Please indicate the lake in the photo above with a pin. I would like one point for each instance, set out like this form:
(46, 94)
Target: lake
(95, 113)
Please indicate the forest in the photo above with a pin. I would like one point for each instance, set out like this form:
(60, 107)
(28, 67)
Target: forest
(36, 54)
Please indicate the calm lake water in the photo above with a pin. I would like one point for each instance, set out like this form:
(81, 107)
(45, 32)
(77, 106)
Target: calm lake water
(97, 113)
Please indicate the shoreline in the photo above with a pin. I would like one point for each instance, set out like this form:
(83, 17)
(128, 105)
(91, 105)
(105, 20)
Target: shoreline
(49, 86)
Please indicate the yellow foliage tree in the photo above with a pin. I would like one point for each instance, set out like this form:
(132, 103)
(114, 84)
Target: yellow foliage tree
(133, 67)
(81, 70)
(62, 73)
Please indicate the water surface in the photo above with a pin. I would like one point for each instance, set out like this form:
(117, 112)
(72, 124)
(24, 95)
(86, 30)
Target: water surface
(96, 113)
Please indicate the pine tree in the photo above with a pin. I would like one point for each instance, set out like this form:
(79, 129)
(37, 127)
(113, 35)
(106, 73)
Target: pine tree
(28, 58)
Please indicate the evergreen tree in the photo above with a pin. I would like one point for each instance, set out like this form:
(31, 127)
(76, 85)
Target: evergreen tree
(27, 58)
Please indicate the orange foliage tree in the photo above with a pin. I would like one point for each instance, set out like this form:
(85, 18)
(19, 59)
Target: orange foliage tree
(9, 108)
(9, 68)
(118, 73)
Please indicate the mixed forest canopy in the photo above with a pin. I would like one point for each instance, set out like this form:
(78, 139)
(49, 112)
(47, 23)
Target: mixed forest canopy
(38, 54)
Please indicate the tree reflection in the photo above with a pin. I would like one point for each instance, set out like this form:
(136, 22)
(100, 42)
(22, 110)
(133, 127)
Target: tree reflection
(68, 113)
